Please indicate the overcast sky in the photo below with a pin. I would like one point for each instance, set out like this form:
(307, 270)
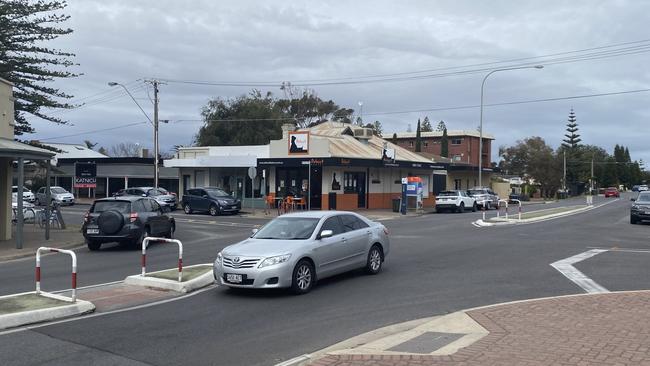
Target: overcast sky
(258, 41)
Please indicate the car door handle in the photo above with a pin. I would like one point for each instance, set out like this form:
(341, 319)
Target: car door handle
(344, 240)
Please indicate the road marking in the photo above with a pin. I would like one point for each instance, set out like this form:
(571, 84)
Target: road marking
(565, 266)
(208, 222)
(94, 315)
(627, 250)
(295, 361)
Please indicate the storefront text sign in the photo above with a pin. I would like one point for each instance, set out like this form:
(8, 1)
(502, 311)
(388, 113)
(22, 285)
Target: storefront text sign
(298, 143)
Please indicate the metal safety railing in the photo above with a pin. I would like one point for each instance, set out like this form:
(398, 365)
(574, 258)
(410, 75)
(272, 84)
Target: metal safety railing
(74, 268)
(499, 208)
(145, 243)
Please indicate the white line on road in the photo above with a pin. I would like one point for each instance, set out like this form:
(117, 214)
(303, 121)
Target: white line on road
(565, 266)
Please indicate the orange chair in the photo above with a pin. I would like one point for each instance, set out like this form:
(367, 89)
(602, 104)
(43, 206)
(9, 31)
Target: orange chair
(270, 204)
(290, 203)
(301, 202)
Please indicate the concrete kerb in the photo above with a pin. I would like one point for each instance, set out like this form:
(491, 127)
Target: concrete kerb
(11, 320)
(203, 280)
(482, 223)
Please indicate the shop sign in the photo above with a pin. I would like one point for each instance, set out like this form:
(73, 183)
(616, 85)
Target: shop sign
(85, 175)
(298, 142)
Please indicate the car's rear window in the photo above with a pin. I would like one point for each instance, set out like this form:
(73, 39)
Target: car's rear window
(477, 191)
(447, 194)
(120, 206)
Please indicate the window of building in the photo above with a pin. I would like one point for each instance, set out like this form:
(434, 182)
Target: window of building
(458, 183)
(426, 144)
(456, 141)
(456, 157)
(410, 143)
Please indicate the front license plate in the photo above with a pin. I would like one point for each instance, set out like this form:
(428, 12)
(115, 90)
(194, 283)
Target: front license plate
(92, 231)
(233, 278)
(234, 207)
(647, 212)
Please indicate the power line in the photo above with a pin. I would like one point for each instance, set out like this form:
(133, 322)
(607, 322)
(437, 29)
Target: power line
(582, 96)
(94, 131)
(546, 60)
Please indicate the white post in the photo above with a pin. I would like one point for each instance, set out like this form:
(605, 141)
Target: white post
(146, 241)
(74, 269)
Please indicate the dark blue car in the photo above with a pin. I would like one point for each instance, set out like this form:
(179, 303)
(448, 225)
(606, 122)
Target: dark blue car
(215, 201)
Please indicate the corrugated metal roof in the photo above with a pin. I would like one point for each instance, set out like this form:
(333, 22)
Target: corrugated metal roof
(74, 151)
(16, 149)
(342, 145)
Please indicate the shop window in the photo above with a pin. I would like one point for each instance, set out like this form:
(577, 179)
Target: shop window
(410, 143)
(456, 141)
(456, 157)
(458, 184)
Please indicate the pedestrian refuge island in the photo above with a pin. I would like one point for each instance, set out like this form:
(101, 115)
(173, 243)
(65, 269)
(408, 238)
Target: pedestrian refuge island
(39, 306)
(179, 279)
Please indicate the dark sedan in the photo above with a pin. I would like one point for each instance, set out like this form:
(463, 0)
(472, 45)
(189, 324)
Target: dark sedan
(215, 201)
(127, 219)
(641, 208)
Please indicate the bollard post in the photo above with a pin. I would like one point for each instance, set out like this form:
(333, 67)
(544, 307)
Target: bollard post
(146, 241)
(74, 269)
(484, 212)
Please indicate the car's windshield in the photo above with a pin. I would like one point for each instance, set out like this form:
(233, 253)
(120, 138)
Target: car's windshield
(120, 206)
(58, 190)
(447, 194)
(154, 192)
(216, 193)
(476, 191)
(643, 198)
(288, 228)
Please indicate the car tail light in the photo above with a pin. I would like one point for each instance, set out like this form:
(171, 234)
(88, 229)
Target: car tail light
(87, 216)
(386, 231)
(133, 216)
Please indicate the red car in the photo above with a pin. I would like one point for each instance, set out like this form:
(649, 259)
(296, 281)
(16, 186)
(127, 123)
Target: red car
(612, 192)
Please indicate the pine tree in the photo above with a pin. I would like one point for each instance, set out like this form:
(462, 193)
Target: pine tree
(27, 62)
(418, 138)
(441, 126)
(426, 125)
(572, 137)
(444, 144)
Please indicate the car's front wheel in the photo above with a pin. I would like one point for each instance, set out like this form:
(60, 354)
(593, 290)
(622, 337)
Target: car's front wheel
(214, 210)
(461, 208)
(303, 277)
(187, 208)
(375, 259)
(474, 207)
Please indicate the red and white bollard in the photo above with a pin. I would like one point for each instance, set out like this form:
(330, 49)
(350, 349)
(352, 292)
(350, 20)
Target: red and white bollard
(74, 268)
(145, 243)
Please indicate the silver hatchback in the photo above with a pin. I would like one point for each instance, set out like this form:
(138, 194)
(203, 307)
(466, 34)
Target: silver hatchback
(294, 250)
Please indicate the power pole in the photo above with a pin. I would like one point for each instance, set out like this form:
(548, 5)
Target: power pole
(591, 186)
(155, 132)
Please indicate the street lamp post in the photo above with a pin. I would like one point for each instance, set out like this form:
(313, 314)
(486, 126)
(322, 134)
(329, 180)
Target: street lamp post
(480, 129)
(154, 123)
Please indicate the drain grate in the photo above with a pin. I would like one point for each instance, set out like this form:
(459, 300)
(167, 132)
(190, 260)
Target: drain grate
(427, 342)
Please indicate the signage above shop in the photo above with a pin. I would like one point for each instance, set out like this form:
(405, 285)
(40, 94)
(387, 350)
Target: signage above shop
(85, 175)
(298, 143)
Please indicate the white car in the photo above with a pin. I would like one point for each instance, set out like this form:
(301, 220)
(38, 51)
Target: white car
(457, 201)
(27, 194)
(58, 195)
(643, 187)
(28, 210)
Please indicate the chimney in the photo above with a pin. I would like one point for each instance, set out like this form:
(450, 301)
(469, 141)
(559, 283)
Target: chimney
(144, 153)
(286, 127)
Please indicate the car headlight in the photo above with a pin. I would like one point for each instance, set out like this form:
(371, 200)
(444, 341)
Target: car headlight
(635, 207)
(219, 258)
(270, 261)
(222, 202)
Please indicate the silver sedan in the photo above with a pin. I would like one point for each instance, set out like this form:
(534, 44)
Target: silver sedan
(294, 250)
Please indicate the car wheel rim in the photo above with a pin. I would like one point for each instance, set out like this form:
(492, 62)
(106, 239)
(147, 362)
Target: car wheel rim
(303, 277)
(375, 260)
(187, 208)
(213, 211)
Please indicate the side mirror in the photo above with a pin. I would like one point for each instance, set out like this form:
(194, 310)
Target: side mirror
(632, 199)
(325, 234)
(254, 231)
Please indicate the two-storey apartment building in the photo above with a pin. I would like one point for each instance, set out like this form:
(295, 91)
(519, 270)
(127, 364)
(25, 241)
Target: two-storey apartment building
(463, 146)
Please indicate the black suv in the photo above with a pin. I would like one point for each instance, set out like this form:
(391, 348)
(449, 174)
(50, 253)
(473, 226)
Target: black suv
(212, 200)
(125, 220)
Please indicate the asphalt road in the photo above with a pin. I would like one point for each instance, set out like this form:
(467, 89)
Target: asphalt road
(439, 263)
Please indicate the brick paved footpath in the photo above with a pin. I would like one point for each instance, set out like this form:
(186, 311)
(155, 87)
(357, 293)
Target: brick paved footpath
(603, 329)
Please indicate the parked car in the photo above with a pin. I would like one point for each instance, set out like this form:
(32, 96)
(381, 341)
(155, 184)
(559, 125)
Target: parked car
(27, 194)
(58, 195)
(161, 195)
(213, 200)
(612, 192)
(514, 197)
(127, 219)
(484, 197)
(457, 201)
(640, 209)
(635, 188)
(295, 250)
(643, 187)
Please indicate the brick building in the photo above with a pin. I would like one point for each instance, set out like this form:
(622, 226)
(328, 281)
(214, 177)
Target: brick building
(463, 145)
